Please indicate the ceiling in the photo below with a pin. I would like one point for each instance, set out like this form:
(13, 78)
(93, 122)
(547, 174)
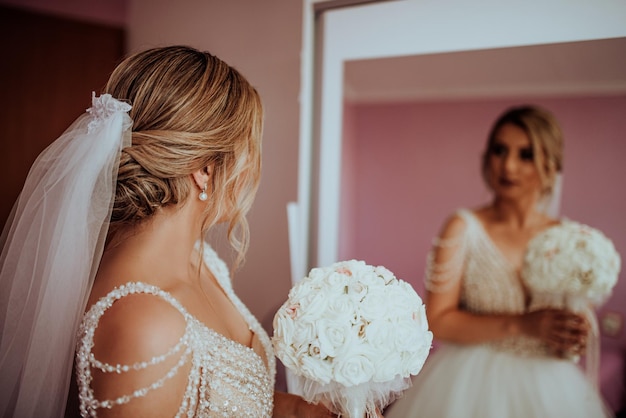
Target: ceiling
(595, 67)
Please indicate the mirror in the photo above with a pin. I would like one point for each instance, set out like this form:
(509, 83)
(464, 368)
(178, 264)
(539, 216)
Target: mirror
(414, 128)
(405, 28)
(353, 41)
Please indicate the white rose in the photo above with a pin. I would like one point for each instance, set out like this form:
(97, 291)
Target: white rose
(356, 290)
(312, 306)
(388, 365)
(300, 351)
(353, 368)
(304, 332)
(316, 369)
(284, 327)
(334, 282)
(317, 274)
(301, 289)
(343, 308)
(375, 305)
(407, 334)
(378, 334)
(332, 335)
(315, 351)
(371, 280)
(351, 266)
(404, 298)
(385, 274)
(413, 361)
(287, 355)
(283, 343)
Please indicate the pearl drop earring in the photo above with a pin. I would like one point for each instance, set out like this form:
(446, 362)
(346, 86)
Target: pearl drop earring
(203, 196)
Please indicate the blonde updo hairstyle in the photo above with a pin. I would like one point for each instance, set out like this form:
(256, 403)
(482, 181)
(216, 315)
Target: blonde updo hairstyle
(190, 110)
(545, 136)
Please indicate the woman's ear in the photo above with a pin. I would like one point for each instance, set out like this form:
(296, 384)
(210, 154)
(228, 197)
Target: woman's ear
(201, 177)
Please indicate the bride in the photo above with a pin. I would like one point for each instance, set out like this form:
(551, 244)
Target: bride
(104, 256)
(499, 359)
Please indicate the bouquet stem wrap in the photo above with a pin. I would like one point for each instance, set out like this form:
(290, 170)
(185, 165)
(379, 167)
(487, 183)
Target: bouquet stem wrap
(580, 305)
(358, 401)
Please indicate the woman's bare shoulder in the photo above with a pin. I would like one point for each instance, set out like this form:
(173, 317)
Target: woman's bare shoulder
(143, 335)
(455, 224)
(138, 327)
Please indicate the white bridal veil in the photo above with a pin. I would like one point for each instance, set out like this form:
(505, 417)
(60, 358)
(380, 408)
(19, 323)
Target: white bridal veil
(51, 248)
(550, 204)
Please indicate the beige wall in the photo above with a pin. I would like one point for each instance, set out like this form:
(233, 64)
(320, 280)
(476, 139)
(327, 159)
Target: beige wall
(261, 39)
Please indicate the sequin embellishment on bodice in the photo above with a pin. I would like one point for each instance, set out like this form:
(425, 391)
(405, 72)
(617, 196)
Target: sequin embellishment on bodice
(490, 284)
(227, 379)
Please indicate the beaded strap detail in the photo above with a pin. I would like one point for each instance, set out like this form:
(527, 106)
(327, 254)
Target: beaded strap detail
(226, 378)
(85, 358)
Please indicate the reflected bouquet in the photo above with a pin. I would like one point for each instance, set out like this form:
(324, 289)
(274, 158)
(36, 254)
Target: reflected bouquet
(353, 334)
(570, 265)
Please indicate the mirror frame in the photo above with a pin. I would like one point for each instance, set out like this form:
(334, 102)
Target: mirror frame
(400, 28)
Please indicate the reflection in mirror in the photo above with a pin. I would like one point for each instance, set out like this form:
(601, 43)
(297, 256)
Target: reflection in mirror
(415, 127)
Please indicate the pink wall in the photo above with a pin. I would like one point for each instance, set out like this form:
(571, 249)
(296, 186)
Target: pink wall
(407, 166)
(411, 165)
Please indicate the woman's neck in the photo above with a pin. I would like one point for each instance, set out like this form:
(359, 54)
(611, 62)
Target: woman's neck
(521, 213)
(161, 247)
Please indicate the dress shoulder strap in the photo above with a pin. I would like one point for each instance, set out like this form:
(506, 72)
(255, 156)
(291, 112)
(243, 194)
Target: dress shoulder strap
(130, 288)
(443, 272)
(85, 360)
(468, 216)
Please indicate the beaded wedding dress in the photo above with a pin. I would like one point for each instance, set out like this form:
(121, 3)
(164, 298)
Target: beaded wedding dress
(226, 379)
(512, 378)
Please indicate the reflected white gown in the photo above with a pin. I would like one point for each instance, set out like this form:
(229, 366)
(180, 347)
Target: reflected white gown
(513, 378)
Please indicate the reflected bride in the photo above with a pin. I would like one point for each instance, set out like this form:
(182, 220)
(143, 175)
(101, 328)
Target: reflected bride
(502, 357)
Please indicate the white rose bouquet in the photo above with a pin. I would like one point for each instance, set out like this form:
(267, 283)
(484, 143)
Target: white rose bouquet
(353, 334)
(570, 265)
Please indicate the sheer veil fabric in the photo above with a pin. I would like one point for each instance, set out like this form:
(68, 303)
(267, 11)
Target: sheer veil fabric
(551, 203)
(51, 248)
